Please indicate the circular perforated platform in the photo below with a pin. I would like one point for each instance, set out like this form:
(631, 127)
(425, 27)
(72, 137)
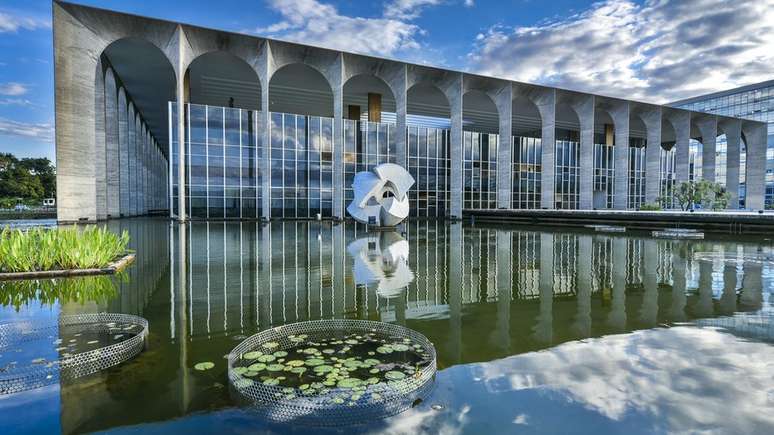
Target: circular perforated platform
(35, 354)
(332, 372)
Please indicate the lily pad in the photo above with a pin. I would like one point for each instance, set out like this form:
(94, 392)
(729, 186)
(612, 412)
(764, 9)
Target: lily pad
(298, 370)
(280, 354)
(323, 368)
(202, 366)
(384, 349)
(252, 355)
(257, 367)
(349, 383)
(270, 345)
(400, 347)
(240, 370)
(394, 375)
(271, 381)
(275, 367)
(295, 363)
(311, 362)
(372, 362)
(266, 358)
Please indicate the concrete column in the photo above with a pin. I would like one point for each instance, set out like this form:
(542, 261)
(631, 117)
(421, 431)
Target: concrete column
(545, 100)
(756, 135)
(620, 113)
(582, 324)
(99, 143)
(543, 331)
(708, 127)
(504, 101)
(501, 337)
(584, 108)
(704, 306)
(131, 129)
(143, 167)
(652, 119)
(454, 94)
(123, 154)
(112, 159)
(401, 112)
(617, 317)
(649, 308)
(679, 298)
(337, 85)
(733, 132)
(681, 122)
(182, 94)
(728, 298)
(264, 142)
(455, 268)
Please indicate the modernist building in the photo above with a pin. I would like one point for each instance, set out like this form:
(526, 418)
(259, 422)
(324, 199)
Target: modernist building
(154, 115)
(754, 102)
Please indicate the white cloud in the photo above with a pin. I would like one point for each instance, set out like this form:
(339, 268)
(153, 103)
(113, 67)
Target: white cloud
(469, 3)
(661, 50)
(12, 23)
(318, 23)
(39, 131)
(12, 89)
(16, 102)
(407, 9)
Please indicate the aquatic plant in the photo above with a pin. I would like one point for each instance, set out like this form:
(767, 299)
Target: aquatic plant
(19, 293)
(39, 249)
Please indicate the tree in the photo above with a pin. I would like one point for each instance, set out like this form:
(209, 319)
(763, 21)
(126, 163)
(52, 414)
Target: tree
(709, 195)
(27, 179)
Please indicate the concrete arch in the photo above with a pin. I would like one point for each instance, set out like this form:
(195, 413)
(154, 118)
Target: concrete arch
(318, 98)
(201, 42)
(437, 104)
(326, 62)
(390, 73)
(220, 77)
(525, 115)
(364, 83)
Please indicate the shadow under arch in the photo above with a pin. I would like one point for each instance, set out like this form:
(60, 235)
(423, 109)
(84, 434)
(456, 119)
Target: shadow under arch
(300, 89)
(221, 78)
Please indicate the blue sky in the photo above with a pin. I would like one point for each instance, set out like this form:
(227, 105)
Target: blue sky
(652, 50)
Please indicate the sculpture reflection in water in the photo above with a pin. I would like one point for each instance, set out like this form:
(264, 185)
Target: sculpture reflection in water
(381, 195)
(382, 258)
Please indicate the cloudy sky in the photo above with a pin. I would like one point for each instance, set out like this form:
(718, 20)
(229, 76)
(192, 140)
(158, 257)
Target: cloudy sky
(651, 50)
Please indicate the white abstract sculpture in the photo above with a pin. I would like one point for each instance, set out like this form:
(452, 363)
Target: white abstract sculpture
(381, 195)
(382, 259)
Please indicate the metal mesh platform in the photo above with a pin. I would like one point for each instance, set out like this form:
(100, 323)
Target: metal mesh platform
(279, 403)
(16, 335)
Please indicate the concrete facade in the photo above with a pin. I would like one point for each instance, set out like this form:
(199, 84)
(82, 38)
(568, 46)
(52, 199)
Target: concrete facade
(114, 158)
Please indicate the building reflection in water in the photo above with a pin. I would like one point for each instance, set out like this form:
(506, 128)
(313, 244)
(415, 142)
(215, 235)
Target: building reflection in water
(478, 293)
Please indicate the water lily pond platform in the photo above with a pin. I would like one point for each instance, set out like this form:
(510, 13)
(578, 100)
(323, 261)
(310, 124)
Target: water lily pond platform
(332, 372)
(112, 268)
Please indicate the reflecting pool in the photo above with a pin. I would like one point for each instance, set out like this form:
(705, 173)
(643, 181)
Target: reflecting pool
(535, 330)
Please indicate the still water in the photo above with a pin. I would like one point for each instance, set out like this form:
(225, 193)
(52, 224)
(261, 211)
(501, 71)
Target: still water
(535, 330)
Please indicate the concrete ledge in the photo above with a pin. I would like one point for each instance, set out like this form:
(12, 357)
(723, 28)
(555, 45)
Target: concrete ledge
(726, 222)
(110, 269)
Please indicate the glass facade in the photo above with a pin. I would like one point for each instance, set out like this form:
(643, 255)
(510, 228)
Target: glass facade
(430, 165)
(527, 169)
(604, 172)
(667, 175)
(636, 173)
(751, 102)
(301, 166)
(567, 183)
(694, 160)
(480, 166)
(222, 162)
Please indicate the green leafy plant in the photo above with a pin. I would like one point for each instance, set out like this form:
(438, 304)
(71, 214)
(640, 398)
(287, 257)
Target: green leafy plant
(709, 195)
(59, 248)
(650, 206)
(21, 293)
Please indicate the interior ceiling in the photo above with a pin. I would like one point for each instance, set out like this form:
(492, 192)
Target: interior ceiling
(148, 79)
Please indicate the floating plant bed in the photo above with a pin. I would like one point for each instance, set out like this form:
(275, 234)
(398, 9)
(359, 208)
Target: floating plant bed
(112, 268)
(35, 354)
(678, 233)
(332, 372)
(607, 228)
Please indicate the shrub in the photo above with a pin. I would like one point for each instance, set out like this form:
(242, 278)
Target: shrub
(650, 206)
(59, 248)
